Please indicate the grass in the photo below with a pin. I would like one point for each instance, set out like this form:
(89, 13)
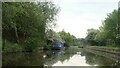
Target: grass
(12, 47)
(108, 47)
(0, 44)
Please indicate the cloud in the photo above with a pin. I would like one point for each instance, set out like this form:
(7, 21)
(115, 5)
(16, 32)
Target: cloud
(76, 16)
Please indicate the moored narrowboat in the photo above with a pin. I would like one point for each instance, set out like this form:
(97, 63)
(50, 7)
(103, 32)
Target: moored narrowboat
(57, 46)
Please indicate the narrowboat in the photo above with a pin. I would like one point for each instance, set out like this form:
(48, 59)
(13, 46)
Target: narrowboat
(57, 46)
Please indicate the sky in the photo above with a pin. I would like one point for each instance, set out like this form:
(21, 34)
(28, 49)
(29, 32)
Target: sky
(76, 16)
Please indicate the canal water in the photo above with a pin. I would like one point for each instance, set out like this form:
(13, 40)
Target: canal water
(68, 57)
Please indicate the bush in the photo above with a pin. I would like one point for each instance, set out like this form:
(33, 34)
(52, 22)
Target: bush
(12, 47)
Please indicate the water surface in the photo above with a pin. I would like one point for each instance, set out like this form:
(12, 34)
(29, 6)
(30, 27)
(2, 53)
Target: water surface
(68, 57)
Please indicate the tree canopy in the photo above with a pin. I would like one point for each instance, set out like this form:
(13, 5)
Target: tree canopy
(26, 23)
(108, 33)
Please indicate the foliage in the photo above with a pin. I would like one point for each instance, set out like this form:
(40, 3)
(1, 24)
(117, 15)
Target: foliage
(12, 47)
(25, 23)
(69, 39)
(91, 34)
(109, 31)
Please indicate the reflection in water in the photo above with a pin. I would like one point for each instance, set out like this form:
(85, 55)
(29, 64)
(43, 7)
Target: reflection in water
(75, 60)
(92, 58)
(68, 57)
(22, 59)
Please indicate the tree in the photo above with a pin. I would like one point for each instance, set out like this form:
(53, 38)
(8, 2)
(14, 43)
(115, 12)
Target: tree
(25, 23)
(91, 34)
(118, 28)
(69, 39)
(109, 29)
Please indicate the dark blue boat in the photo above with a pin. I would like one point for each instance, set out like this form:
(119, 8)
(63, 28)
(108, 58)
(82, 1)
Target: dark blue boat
(57, 45)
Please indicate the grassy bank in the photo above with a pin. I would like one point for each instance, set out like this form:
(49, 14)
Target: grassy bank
(19, 47)
(12, 47)
(0, 44)
(106, 47)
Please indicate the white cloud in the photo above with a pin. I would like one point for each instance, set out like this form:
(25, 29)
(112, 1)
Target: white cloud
(76, 16)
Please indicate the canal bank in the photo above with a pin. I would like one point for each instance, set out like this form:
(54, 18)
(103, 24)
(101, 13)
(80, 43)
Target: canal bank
(107, 52)
(104, 49)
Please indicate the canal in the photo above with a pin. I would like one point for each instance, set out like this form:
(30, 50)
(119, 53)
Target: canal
(68, 57)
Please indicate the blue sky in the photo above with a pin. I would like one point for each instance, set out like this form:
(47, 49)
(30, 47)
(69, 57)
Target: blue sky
(76, 16)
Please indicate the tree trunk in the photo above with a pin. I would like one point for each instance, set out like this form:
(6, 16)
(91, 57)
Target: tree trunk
(3, 43)
(16, 34)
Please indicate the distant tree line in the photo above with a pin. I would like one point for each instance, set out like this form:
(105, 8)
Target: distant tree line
(62, 36)
(70, 40)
